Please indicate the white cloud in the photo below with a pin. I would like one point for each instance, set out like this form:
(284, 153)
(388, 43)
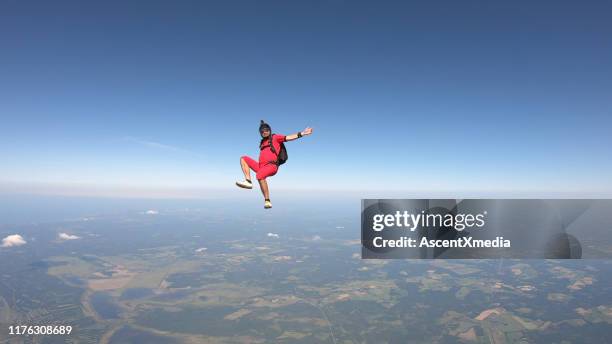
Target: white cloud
(316, 238)
(151, 212)
(272, 235)
(151, 144)
(201, 249)
(158, 146)
(66, 236)
(13, 240)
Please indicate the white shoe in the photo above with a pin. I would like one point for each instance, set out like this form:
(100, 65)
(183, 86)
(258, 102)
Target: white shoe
(267, 204)
(245, 184)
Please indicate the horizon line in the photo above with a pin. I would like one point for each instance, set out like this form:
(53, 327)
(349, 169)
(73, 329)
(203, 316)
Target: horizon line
(205, 192)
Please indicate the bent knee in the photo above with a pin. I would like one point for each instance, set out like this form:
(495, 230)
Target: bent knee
(246, 160)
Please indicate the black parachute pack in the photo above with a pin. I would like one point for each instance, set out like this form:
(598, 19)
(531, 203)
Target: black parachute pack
(281, 157)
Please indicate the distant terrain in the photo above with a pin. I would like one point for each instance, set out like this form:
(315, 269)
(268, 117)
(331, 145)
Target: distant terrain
(190, 276)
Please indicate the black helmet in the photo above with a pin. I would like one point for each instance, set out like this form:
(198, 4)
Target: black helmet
(263, 125)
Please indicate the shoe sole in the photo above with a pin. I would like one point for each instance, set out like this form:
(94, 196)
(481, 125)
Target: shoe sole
(267, 207)
(243, 186)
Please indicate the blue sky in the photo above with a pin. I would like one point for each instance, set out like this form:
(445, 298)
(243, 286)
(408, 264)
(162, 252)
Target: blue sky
(439, 96)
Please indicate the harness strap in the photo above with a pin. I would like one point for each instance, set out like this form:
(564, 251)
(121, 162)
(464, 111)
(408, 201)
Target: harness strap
(271, 145)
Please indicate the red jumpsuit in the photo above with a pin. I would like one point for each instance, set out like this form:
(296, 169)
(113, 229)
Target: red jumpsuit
(266, 167)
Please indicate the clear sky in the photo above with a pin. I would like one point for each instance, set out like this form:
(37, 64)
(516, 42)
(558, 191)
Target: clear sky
(436, 96)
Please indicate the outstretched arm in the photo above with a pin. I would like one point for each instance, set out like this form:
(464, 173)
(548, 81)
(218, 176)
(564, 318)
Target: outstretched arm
(305, 132)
